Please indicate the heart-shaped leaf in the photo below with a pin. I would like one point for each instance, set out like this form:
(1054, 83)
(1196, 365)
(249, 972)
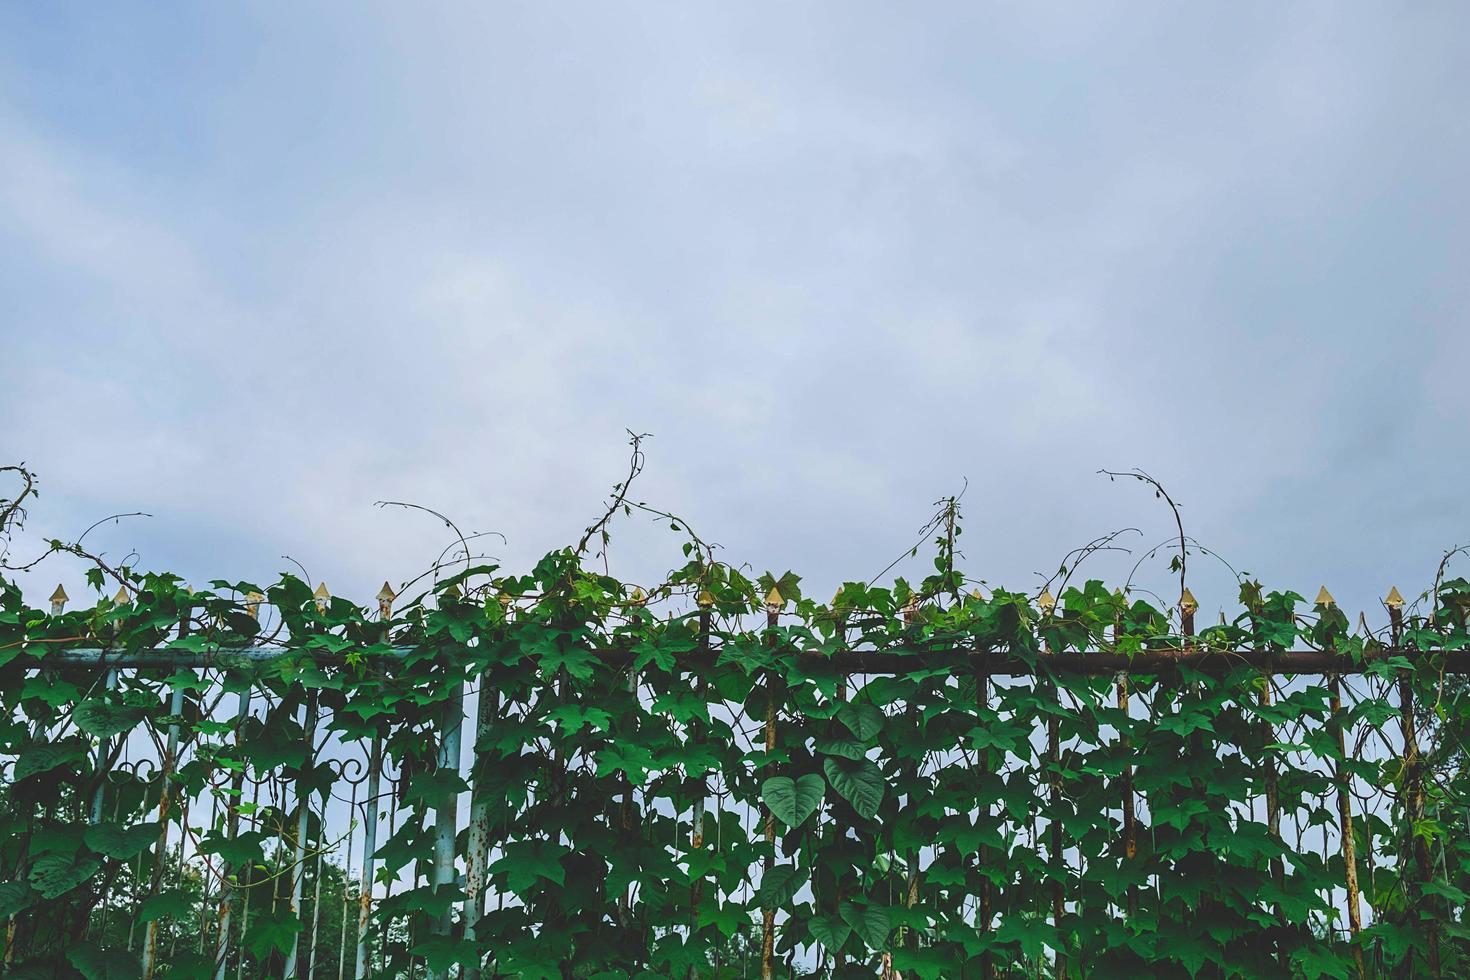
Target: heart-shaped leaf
(793, 800)
(870, 922)
(779, 884)
(120, 842)
(859, 783)
(862, 719)
(830, 931)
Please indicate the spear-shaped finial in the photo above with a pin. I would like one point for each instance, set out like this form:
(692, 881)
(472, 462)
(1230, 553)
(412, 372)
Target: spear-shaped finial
(252, 604)
(774, 602)
(977, 595)
(1046, 601)
(1324, 598)
(58, 601)
(385, 598)
(1187, 602)
(322, 597)
(121, 597)
(705, 599)
(1394, 600)
(639, 597)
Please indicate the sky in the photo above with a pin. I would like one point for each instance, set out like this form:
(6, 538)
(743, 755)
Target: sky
(264, 265)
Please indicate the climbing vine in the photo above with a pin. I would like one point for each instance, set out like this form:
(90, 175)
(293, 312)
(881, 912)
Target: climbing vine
(918, 776)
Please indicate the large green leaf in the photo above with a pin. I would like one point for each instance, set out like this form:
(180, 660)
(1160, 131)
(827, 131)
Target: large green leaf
(45, 756)
(55, 875)
(870, 922)
(830, 931)
(95, 963)
(862, 719)
(779, 885)
(120, 842)
(859, 783)
(793, 800)
(105, 720)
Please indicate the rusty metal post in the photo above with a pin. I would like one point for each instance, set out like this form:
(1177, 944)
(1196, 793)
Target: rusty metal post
(774, 604)
(370, 815)
(1054, 795)
(303, 812)
(705, 601)
(1345, 807)
(1413, 779)
(1130, 806)
(165, 801)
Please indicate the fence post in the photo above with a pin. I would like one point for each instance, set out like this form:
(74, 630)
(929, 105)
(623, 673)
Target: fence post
(232, 818)
(774, 604)
(451, 724)
(705, 601)
(1413, 777)
(1054, 794)
(303, 796)
(370, 815)
(59, 599)
(477, 844)
(1130, 809)
(165, 799)
(1344, 805)
(303, 800)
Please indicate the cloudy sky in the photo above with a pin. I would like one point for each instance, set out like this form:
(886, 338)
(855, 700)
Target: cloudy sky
(263, 266)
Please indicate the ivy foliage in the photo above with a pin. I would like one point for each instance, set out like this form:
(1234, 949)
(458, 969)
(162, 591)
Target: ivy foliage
(660, 774)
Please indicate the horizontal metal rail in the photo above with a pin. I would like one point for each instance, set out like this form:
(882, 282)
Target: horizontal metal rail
(896, 661)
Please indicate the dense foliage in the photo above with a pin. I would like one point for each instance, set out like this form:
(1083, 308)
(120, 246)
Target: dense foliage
(633, 750)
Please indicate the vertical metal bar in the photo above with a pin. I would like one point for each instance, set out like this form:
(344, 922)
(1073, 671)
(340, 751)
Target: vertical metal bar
(1345, 826)
(165, 800)
(1054, 797)
(232, 828)
(477, 856)
(1413, 780)
(446, 812)
(303, 812)
(104, 752)
(316, 915)
(696, 831)
(1130, 804)
(774, 602)
(346, 896)
(369, 849)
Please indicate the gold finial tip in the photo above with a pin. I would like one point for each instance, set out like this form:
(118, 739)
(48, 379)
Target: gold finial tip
(977, 594)
(121, 597)
(1393, 600)
(774, 601)
(386, 593)
(705, 599)
(1046, 600)
(59, 595)
(1324, 598)
(1187, 601)
(321, 592)
(255, 597)
(639, 597)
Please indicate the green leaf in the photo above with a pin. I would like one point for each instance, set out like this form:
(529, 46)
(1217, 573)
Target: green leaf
(779, 885)
(54, 875)
(859, 783)
(870, 922)
(525, 861)
(120, 842)
(846, 748)
(271, 933)
(862, 719)
(830, 931)
(793, 800)
(174, 903)
(43, 757)
(95, 963)
(14, 896)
